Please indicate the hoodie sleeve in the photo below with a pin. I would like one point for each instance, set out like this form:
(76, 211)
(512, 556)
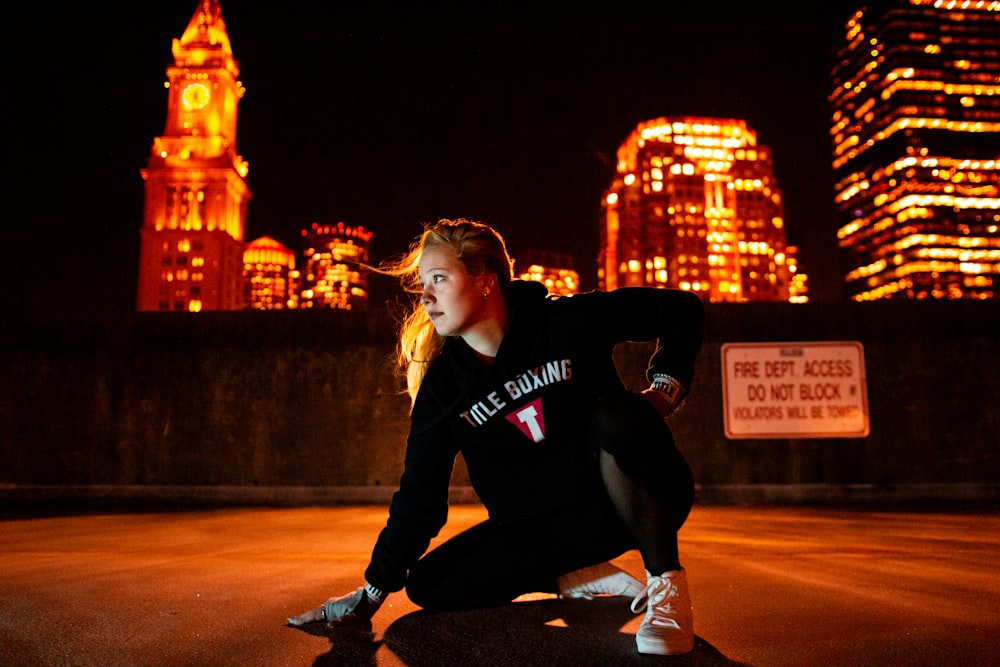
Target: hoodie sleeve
(419, 508)
(673, 318)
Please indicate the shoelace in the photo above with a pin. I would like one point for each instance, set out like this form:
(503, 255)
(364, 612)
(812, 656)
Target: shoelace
(657, 590)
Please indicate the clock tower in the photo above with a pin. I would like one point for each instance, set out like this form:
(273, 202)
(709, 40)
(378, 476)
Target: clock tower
(194, 228)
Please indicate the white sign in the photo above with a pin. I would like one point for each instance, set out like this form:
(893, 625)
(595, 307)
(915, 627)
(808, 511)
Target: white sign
(794, 390)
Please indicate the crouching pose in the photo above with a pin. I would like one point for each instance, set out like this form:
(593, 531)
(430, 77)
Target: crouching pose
(572, 469)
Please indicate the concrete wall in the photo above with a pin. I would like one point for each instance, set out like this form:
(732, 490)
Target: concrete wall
(271, 405)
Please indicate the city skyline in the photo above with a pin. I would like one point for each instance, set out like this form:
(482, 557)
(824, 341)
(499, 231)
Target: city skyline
(695, 205)
(388, 121)
(917, 132)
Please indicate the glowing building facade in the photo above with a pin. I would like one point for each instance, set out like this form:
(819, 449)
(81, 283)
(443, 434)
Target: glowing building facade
(555, 270)
(916, 149)
(191, 241)
(269, 275)
(334, 275)
(694, 205)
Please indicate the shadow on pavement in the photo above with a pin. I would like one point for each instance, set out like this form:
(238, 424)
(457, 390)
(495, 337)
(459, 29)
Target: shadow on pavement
(545, 632)
(348, 646)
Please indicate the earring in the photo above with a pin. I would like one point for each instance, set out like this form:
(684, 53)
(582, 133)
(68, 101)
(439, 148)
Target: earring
(486, 294)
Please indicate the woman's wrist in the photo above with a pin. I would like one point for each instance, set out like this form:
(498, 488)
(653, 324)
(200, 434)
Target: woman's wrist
(668, 391)
(375, 594)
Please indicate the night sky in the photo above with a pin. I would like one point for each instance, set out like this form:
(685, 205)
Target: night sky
(388, 118)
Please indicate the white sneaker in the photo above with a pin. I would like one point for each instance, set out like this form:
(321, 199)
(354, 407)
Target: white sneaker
(600, 579)
(668, 628)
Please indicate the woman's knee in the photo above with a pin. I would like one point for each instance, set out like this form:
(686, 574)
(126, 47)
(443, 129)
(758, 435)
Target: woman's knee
(627, 418)
(427, 589)
(629, 429)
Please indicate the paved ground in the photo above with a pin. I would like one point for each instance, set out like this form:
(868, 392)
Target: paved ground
(771, 586)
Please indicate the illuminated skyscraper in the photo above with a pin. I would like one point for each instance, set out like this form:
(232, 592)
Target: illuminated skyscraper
(555, 270)
(191, 242)
(916, 149)
(694, 205)
(335, 274)
(269, 275)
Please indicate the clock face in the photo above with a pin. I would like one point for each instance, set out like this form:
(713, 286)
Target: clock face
(195, 96)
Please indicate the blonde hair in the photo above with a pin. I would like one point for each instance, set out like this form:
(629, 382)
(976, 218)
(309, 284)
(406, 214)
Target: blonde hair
(480, 248)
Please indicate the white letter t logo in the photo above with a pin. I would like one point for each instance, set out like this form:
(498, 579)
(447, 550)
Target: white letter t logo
(530, 419)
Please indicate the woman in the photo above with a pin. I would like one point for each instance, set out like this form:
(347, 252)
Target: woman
(573, 469)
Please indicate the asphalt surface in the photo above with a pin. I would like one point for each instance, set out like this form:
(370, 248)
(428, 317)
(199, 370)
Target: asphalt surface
(770, 585)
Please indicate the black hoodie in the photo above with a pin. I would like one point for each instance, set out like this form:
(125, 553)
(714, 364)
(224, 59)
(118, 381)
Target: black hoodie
(521, 422)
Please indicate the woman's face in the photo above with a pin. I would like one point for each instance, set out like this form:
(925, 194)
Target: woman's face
(453, 298)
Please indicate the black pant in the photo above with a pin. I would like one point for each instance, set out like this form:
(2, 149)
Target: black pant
(492, 563)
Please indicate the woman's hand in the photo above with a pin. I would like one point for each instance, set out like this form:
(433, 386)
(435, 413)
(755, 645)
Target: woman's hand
(665, 394)
(353, 608)
(310, 616)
